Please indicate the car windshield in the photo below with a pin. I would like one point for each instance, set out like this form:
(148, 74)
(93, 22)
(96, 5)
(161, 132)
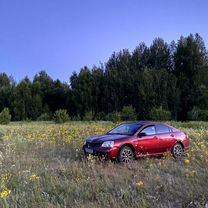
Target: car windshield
(126, 129)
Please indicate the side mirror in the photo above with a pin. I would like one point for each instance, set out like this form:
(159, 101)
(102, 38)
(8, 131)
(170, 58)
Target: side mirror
(142, 134)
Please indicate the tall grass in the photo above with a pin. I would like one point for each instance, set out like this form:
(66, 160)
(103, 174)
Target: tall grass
(42, 165)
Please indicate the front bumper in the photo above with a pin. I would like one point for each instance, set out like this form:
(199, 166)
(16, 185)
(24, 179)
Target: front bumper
(109, 153)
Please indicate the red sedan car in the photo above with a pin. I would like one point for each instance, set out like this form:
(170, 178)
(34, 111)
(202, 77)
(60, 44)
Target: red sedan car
(133, 140)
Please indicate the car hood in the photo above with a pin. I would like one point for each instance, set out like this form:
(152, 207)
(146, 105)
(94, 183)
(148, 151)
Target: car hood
(106, 137)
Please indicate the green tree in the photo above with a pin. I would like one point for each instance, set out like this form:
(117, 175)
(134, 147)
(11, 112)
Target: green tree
(159, 57)
(128, 113)
(174, 76)
(5, 116)
(7, 85)
(61, 116)
(82, 91)
(159, 114)
(22, 100)
(190, 58)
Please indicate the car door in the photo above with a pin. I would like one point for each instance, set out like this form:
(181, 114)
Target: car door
(165, 136)
(147, 144)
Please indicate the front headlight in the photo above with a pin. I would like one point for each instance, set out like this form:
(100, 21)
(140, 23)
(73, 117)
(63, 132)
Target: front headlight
(108, 144)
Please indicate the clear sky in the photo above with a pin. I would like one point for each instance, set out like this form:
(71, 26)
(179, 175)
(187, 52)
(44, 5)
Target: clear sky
(61, 36)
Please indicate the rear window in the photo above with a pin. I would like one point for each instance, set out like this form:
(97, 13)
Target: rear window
(162, 129)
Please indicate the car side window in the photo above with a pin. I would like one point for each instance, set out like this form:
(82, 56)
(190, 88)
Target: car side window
(150, 130)
(162, 129)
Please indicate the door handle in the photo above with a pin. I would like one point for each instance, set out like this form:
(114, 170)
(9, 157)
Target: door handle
(155, 137)
(172, 135)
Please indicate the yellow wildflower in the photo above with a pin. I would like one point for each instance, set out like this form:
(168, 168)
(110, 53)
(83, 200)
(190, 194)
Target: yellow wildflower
(34, 178)
(140, 184)
(192, 173)
(4, 178)
(202, 146)
(187, 162)
(5, 194)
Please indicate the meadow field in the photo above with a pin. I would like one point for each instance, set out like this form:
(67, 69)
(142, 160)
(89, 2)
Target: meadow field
(42, 165)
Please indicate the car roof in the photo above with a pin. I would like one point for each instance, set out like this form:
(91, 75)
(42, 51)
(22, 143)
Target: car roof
(144, 123)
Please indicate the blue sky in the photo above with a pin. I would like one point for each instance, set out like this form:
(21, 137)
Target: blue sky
(61, 36)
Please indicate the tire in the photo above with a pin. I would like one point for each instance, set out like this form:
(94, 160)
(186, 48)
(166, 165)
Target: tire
(126, 154)
(177, 151)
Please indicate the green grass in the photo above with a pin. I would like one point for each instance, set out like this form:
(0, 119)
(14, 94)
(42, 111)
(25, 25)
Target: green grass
(43, 166)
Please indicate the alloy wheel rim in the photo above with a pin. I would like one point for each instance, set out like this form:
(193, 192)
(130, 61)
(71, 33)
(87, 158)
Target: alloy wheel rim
(126, 155)
(178, 151)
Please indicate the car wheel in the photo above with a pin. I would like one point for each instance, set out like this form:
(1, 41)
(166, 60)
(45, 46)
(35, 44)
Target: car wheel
(126, 154)
(178, 150)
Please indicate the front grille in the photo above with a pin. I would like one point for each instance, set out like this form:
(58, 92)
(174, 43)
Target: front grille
(93, 145)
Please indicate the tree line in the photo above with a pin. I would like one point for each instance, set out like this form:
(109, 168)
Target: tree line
(169, 76)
